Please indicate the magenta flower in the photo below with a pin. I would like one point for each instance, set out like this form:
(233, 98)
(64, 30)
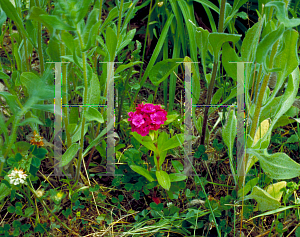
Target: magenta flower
(147, 117)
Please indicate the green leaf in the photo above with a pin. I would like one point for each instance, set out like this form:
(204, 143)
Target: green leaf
(128, 65)
(249, 45)
(209, 4)
(228, 56)
(31, 120)
(53, 49)
(93, 114)
(278, 165)
(157, 49)
(36, 162)
(11, 209)
(247, 188)
(282, 14)
(264, 200)
(68, 156)
(4, 76)
(162, 70)
(94, 91)
(275, 190)
(170, 118)
(111, 43)
(56, 22)
(163, 179)
(76, 137)
(13, 15)
(177, 177)
(11, 100)
(175, 141)
(140, 170)
(145, 141)
(177, 165)
(266, 44)
(228, 135)
(161, 139)
(29, 211)
(217, 39)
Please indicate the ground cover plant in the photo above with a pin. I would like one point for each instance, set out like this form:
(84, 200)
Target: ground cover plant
(142, 83)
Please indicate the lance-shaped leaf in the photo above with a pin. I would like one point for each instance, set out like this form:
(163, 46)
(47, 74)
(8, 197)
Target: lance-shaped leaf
(163, 179)
(202, 43)
(163, 69)
(264, 200)
(217, 39)
(267, 43)
(94, 91)
(145, 141)
(228, 56)
(69, 154)
(228, 135)
(111, 43)
(175, 141)
(278, 165)
(282, 14)
(249, 45)
(140, 170)
(286, 102)
(93, 114)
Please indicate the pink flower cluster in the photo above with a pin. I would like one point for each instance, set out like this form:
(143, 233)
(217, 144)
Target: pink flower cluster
(147, 117)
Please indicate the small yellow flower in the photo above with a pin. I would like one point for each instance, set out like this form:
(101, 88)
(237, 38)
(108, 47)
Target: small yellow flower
(37, 139)
(160, 4)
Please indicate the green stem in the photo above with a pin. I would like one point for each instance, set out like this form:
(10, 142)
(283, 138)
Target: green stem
(214, 73)
(49, 210)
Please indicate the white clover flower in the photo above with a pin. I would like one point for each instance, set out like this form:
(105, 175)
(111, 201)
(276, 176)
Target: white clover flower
(40, 192)
(169, 204)
(17, 177)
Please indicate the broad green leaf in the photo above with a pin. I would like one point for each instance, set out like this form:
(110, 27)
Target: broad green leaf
(248, 187)
(249, 45)
(111, 43)
(177, 177)
(261, 131)
(94, 91)
(202, 43)
(275, 190)
(56, 22)
(162, 138)
(4, 76)
(36, 13)
(163, 179)
(140, 170)
(31, 120)
(145, 141)
(129, 36)
(177, 165)
(228, 57)
(93, 114)
(83, 7)
(209, 4)
(53, 49)
(286, 101)
(11, 100)
(77, 135)
(217, 39)
(282, 14)
(287, 59)
(278, 165)
(128, 65)
(4, 191)
(68, 156)
(68, 40)
(228, 134)
(163, 69)
(173, 142)
(170, 118)
(266, 44)
(264, 200)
